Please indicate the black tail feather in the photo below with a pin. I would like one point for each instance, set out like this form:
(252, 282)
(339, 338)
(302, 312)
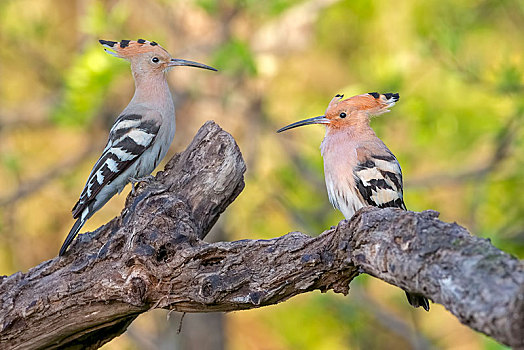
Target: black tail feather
(417, 300)
(74, 230)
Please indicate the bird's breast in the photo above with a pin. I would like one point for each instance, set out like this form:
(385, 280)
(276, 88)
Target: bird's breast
(340, 158)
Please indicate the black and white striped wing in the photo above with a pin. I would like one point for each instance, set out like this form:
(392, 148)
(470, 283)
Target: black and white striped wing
(379, 181)
(129, 137)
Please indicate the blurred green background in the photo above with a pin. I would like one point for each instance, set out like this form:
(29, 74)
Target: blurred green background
(457, 132)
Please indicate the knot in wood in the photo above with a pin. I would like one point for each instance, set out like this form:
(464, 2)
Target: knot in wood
(136, 284)
(210, 286)
(138, 288)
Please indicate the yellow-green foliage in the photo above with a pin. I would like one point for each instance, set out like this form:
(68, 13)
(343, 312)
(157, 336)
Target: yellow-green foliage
(458, 66)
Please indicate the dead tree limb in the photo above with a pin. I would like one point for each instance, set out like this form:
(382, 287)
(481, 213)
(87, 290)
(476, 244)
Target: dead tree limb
(152, 256)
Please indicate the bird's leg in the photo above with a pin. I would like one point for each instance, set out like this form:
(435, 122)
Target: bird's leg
(135, 181)
(146, 179)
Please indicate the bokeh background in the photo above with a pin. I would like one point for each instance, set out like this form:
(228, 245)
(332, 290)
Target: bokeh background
(457, 132)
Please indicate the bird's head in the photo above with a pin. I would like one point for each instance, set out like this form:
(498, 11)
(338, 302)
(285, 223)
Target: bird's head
(147, 57)
(351, 111)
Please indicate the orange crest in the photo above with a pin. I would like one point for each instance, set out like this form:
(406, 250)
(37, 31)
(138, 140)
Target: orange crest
(129, 48)
(372, 102)
(335, 100)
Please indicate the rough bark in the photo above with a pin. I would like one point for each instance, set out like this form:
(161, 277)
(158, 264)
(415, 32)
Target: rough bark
(152, 256)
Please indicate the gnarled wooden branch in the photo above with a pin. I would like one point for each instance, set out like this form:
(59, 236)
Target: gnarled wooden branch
(152, 256)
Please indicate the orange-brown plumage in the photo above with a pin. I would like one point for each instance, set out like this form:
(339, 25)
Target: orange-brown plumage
(350, 143)
(359, 169)
(146, 57)
(358, 109)
(130, 48)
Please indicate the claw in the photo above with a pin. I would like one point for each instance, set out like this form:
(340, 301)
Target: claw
(136, 181)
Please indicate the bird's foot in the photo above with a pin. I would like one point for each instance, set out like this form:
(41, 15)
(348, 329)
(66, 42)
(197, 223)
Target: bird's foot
(136, 181)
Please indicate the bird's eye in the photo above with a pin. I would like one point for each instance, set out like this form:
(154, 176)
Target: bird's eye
(342, 115)
(155, 60)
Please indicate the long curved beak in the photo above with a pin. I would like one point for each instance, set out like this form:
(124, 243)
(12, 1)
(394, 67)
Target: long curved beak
(321, 119)
(180, 62)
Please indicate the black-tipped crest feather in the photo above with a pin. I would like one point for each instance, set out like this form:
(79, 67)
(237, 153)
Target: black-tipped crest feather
(107, 42)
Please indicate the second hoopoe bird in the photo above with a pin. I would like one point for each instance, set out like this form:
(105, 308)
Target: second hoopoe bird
(140, 136)
(359, 169)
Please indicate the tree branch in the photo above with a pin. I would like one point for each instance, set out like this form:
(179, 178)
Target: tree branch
(152, 256)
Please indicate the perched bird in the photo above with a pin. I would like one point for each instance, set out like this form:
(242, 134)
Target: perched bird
(359, 169)
(140, 136)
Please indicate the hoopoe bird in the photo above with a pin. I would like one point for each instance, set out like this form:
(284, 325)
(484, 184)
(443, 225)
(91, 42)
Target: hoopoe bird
(359, 169)
(140, 136)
